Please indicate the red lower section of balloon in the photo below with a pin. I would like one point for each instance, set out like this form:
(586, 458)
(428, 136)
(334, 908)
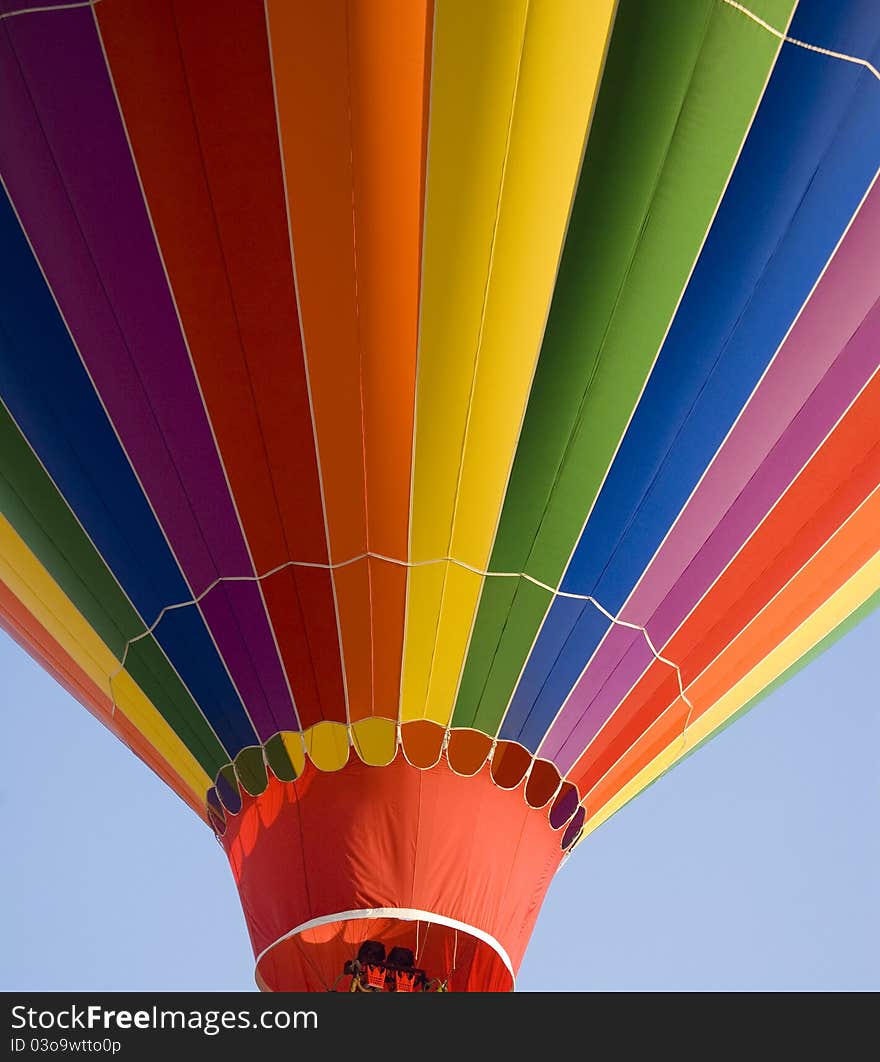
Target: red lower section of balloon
(452, 868)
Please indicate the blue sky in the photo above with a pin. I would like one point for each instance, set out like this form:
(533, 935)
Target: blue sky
(753, 865)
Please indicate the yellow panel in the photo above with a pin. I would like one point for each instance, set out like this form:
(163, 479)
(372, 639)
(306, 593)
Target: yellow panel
(44, 599)
(831, 614)
(132, 702)
(293, 744)
(459, 598)
(512, 92)
(375, 740)
(327, 745)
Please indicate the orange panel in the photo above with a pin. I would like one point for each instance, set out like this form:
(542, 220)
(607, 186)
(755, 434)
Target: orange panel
(828, 490)
(221, 218)
(467, 750)
(510, 762)
(422, 742)
(351, 83)
(841, 558)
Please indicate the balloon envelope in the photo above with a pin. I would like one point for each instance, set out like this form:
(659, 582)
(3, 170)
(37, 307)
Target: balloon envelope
(423, 424)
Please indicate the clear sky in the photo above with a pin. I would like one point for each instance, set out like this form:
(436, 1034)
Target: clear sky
(753, 865)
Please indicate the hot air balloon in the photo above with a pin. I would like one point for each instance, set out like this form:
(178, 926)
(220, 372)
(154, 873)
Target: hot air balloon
(424, 423)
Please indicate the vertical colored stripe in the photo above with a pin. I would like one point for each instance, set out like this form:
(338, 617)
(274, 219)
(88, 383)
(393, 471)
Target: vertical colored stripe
(31, 504)
(679, 90)
(25, 577)
(55, 407)
(86, 218)
(826, 361)
(658, 753)
(795, 188)
(830, 489)
(350, 84)
(220, 217)
(36, 641)
(512, 94)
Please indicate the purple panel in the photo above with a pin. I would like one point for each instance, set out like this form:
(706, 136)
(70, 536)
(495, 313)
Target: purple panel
(623, 653)
(804, 366)
(77, 193)
(212, 799)
(229, 794)
(826, 360)
(828, 403)
(260, 681)
(216, 814)
(573, 828)
(563, 808)
(7, 6)
(69, 171)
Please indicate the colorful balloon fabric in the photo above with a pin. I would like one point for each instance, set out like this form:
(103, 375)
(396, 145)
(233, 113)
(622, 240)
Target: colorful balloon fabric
(423, 424)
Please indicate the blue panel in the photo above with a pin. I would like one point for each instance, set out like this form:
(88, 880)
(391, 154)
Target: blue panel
(851, 27)
(741, 301)
(808, 160)
(575, 628)
(48, 392)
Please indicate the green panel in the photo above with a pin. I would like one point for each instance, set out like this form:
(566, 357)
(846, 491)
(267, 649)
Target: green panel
(490, 654)
(250, 767)
(149, 667)
(32, 504)
(680, 87)
(279, 760)
(775, 13)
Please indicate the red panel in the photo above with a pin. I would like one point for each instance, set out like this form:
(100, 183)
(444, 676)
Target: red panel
(542, 784)
(351, 83)
(197, 98)
(841, 558)
(838, 478)
(510, 762)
